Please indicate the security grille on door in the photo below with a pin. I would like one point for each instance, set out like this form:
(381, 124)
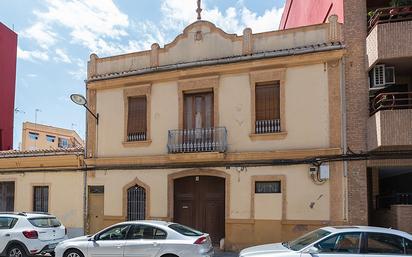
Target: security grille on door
(136, 203)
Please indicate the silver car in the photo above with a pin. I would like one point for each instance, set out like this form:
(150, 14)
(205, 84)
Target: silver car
(350, 241)
(139, 238)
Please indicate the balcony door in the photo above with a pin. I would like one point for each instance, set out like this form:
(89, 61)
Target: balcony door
(198, 110)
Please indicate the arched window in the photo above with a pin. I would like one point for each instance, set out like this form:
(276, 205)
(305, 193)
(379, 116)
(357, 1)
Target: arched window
(136, 203)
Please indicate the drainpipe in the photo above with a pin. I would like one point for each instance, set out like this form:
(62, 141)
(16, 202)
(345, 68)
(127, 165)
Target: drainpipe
(344, 139)
(85, 191)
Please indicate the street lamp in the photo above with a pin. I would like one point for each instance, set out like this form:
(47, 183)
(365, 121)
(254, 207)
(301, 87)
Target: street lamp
(81, 100)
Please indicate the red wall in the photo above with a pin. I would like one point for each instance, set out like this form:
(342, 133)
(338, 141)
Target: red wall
(308, 12)
(8, 54)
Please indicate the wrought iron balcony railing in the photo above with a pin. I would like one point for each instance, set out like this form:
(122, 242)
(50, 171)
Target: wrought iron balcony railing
(197, 140)
(267, 126)
(391, 101)
(390, 14)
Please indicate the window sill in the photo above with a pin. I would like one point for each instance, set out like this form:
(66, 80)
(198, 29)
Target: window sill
(137, 143)
(268, 136)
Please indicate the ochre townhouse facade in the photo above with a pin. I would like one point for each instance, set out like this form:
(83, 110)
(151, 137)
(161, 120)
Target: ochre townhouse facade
(49, 180)
(196, 132)
(217, 131)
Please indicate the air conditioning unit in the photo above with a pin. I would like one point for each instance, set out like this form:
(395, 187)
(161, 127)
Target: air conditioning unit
(383, 76)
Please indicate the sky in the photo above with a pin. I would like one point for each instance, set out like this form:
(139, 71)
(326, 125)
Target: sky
(56, 38)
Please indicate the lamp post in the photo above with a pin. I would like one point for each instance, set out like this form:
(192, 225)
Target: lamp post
(81, 100)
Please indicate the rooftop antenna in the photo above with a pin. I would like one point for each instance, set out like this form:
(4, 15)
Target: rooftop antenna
(35, 116)
(199, 10)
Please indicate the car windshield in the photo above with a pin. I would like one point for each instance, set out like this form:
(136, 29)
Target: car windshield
(185, 230)
(307, 239)
(45, 222)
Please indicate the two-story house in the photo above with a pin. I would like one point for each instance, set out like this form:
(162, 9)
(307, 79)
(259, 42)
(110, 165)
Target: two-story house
(220, 132)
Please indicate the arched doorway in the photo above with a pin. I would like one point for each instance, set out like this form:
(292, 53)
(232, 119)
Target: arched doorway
(136, 203)
(199, 202)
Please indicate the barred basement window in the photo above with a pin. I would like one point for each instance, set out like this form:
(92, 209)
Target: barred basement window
(264, 187)
(137, 119)
(41, 198)
(136, 203)
(267, 107)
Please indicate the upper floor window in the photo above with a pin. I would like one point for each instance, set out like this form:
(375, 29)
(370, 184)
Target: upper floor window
(63, 142)
(198, 110)
(50, 139)
(33, 136)
(267, 108)
(137, 119)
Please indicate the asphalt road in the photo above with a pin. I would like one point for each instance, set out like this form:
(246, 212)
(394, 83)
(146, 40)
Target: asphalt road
(225, 254)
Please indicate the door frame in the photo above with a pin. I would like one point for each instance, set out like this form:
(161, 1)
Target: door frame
(196, 172)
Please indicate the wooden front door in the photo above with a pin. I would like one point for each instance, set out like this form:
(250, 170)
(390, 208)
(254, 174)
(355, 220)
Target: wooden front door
(198, 110)
(6, 196)
(96, 209)
(199, 202)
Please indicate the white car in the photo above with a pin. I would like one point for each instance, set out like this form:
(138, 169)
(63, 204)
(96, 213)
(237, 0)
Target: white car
(341, 241)
(140, 238)
(26, 234)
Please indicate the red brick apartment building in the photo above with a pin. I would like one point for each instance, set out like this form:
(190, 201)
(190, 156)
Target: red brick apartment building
(378, 100)
(8, 53)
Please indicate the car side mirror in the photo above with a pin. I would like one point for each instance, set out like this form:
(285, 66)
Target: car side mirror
(313, 250)
(93, 238)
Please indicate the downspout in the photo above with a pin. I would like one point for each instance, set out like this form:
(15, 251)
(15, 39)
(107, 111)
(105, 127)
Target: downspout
(344, 139)
(85, 191)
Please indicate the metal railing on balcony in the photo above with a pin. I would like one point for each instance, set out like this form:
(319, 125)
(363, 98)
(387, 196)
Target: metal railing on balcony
(391, 14)
(267, 126)
(391, 101)
(385, 201)
(197, 140)
(137, 136)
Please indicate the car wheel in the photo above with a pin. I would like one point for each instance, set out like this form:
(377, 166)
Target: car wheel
(73, 253)
(16, 251)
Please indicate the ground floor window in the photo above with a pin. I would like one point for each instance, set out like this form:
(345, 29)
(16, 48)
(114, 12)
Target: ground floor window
(136, 203)
(41, 198)
(6, 196)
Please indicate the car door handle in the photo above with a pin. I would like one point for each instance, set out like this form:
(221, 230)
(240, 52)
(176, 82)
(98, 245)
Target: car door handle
(7, 235)
(155, 244)
(118, 246)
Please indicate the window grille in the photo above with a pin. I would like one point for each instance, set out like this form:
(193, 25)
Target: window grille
(136, 203)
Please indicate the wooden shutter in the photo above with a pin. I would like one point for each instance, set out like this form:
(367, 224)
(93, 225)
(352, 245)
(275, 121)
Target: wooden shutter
(41, 198)
(267, 101)
(137, 118)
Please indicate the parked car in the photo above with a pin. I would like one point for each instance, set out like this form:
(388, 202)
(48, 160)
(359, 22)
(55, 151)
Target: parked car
(354, 241)
(140, 238)
(27, 234)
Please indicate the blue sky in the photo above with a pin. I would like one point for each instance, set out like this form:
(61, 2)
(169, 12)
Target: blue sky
(56, 38)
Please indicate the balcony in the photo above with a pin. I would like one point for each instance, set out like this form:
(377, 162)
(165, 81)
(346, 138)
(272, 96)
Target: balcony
(387, 38)
(390, 122)
(197, 140)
